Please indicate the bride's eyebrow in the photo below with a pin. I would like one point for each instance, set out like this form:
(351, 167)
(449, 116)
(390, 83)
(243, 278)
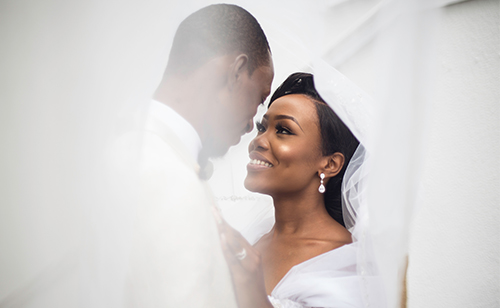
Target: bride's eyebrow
(283, 116)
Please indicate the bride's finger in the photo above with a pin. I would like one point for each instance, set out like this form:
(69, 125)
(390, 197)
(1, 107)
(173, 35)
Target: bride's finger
(234, 263)
(236, 248)
(233, 237)
(217, 215)
(235, 242)
(224, 227)
(244, 262)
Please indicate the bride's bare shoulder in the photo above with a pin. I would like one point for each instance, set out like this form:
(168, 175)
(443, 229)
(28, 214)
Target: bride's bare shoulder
(326, 238)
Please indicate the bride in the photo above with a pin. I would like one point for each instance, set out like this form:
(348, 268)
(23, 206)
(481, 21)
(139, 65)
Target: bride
(299, 158)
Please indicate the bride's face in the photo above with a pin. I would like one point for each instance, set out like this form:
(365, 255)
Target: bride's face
(286, 154)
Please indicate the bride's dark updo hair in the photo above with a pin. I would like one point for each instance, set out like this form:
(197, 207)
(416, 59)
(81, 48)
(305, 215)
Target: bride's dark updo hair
(335, 136)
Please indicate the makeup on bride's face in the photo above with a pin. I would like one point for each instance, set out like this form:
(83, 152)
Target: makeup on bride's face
(285, 154)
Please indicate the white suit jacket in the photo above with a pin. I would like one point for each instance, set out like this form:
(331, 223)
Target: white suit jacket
(176, 259)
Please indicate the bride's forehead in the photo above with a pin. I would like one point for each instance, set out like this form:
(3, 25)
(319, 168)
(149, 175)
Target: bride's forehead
(297, 104)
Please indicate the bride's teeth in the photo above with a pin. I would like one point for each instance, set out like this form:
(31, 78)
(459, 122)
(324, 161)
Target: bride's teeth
(260, 162)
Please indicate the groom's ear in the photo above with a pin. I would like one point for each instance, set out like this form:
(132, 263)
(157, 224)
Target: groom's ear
(332, 164)
(237, 69)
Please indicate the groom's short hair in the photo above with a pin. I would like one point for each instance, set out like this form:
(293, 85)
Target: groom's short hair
(217, 30)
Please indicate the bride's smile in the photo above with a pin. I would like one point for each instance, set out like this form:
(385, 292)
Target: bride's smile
(259, 164)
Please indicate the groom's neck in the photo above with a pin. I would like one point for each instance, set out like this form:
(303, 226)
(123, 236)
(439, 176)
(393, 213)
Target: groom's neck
(179, 94)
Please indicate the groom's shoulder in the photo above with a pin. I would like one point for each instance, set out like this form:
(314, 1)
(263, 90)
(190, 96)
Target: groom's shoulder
(144, 147)
(146, 152)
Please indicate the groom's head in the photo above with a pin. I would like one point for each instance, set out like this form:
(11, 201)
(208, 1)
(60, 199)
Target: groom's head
(223, 54)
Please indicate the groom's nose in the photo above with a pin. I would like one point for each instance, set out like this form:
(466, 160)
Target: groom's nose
(249, 127)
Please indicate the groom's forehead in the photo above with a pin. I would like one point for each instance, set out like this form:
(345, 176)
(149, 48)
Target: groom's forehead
(264, 76)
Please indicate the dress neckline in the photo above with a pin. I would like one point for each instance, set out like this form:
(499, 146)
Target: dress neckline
(303, 263)
(264, 228)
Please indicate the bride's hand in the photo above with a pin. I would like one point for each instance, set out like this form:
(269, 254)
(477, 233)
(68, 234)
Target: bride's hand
(245, 265)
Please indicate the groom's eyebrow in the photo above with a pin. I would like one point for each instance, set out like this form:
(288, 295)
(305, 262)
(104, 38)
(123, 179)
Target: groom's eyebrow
(285, 117)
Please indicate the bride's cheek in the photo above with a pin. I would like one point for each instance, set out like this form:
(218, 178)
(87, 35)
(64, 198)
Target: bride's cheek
(285, 152)
(291, 156)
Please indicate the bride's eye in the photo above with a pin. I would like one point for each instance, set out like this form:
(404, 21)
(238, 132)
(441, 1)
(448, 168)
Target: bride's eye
(280, 129)
(260, 127)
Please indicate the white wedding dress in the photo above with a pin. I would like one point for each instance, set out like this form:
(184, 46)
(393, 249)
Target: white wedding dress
(328, 280)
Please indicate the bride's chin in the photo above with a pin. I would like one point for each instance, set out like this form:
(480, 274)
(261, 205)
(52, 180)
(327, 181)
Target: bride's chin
(248, 185)
(252, 186)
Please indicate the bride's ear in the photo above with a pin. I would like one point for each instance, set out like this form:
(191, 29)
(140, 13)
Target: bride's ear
(333, 164)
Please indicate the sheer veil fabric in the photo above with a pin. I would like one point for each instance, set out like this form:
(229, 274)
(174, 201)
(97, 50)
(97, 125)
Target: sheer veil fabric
(81, 75)
(395, 39)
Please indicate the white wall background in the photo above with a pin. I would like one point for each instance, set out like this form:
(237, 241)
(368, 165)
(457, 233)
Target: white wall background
(454, 247)
(454, 252)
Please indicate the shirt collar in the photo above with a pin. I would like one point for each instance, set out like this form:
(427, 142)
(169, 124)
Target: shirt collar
(179, 126)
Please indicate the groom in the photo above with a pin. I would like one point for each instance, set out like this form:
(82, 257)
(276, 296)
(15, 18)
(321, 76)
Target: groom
(219, 71)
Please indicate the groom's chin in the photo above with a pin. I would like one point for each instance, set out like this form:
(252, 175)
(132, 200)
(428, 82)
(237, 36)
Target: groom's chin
(215, 150)
(218, 147)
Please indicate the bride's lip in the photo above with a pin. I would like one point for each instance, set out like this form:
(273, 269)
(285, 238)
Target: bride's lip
(258, 162)
(258, 156)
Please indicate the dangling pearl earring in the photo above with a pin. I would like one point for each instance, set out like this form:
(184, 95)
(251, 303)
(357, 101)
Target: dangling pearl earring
(321, 188)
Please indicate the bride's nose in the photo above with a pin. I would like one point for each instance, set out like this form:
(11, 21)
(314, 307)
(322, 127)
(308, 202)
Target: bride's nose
(260, 142)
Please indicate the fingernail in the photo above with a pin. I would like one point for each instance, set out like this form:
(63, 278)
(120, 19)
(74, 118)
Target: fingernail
(216, 213)
(223, 238)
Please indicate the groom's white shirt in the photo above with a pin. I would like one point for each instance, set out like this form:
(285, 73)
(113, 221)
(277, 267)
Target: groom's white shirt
(176, 259)
(179, 126)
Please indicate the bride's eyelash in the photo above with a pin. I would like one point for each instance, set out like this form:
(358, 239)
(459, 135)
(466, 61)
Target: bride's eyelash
(280, 129)
(260, 127)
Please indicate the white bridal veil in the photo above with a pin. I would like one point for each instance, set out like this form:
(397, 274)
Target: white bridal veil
(80, 74)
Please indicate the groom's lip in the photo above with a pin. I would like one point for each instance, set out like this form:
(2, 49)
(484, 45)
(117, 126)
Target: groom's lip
(237, 140)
